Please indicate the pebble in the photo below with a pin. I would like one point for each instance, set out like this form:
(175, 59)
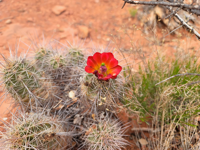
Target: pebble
(83, 32)
(29, 19)
(58, 9)
(8, 21)
(143, 141)
(72, 94)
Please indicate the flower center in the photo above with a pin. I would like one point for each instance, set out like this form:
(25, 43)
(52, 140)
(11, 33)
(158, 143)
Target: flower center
(103, 69)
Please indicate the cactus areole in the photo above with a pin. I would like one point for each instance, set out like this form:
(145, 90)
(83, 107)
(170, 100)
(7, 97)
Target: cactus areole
(103, 65)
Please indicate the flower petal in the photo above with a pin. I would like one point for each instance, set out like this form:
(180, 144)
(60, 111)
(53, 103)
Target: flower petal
(105, 78)
(109, 57)
(115, 71)
(89, 69)
(113, 63)
(108, 77)
(113, 77)
(92, 63)
(104, 57)
(97, 58)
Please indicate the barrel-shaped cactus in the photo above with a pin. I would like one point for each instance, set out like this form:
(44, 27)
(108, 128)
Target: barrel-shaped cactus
(76, 56)
(105, 92)
(108, 134)
(35, 131)
(23, 81)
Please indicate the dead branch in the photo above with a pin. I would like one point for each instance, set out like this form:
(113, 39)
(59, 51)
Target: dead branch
(146, 129)
(191, 29)
(195, 9)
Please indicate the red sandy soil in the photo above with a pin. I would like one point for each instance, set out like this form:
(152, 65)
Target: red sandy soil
(107, 24)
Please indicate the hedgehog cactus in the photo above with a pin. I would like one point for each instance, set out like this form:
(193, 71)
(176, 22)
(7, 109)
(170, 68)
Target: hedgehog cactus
(35, 131)
(62, 68)
(48, 59)
(41, 53)
(60, 82)
(57, 61)
(22, 80)
(76, 56)
(102, 85)
(40, 56)
(106, 135)
(106, 93)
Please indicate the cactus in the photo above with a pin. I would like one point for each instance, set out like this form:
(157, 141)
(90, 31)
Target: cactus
(76, 55)
(63, 69)
(40, 55)
(106, 135)
(58, 81)
(106, 92)
(48, 59)
(23, 81)
(35, 131)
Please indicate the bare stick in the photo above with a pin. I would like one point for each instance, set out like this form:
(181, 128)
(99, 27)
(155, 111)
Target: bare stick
(184, 23)
(191, 8)
(146, 129)
(187, 26)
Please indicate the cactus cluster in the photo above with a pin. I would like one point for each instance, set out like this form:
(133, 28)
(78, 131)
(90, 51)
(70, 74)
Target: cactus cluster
(58, 95)
(35, 131)
(24, 82)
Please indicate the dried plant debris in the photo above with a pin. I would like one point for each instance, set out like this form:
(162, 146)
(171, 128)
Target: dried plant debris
(153, 17)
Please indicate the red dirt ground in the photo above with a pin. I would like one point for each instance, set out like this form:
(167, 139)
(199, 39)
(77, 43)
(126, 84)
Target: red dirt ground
(107, 24)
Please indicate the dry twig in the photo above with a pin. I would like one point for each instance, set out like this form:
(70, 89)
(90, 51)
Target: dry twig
(195, 9)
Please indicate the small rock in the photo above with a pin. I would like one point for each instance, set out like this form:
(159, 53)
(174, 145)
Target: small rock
(83, 32)
(21, 10)
(8, 21)
(58, 9)
(72, 94)
(29, 19)
(143, 142)
(60, 29)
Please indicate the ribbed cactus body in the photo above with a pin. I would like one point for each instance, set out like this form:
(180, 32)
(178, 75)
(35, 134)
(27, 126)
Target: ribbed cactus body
(106, 92)
(63, 68)
(35, 131)
(76, 55)
(21, 80)
(106, 135)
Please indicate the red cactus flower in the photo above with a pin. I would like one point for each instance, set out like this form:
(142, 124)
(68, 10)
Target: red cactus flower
(103, 65)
